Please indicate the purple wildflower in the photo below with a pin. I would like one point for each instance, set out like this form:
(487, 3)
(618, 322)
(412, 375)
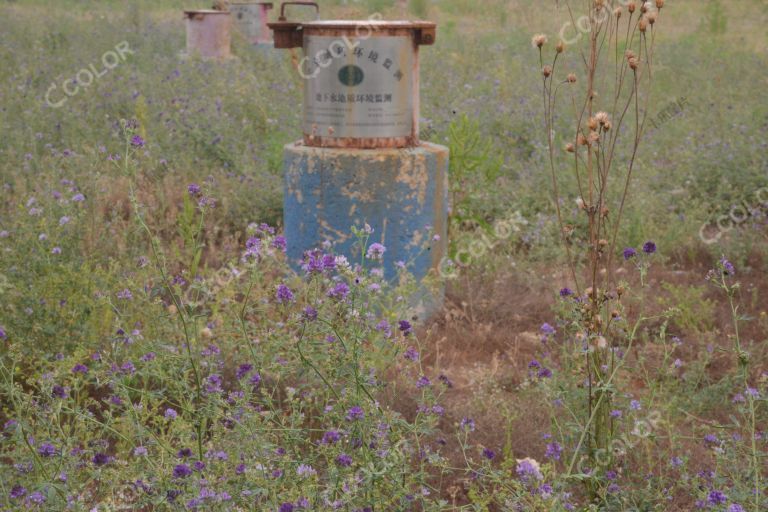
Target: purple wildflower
(344, 460)
(629, 253)
(310, 313)
(279, 243)
(100, 459)
(255, 380)
(284, 294)
(423, 382)
(340, 291)
(137, 141)
(170, 414)
(566, 292)
(17, 492)
(330, 437)
(528, 469)
(59, 392)
(37, 497)
(125, 294)
(375, 251)
(727, 267)
(355, 413)
(194, 190)
(80, 368)
(184, 453)
(181, 471)
(649, 247)
(305, 470)
(554, 450)
(47, 450)
(488, 453)
(412, 354)
(243, 370)
(717, 498)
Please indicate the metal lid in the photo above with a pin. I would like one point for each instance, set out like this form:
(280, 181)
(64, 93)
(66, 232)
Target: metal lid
(204, 11)
(375, 24)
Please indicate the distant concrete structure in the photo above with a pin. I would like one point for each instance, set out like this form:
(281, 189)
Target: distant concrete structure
(250, 18)
(208, 34)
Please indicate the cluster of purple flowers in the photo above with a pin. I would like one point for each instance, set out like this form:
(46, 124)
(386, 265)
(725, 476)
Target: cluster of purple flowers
(649, 248)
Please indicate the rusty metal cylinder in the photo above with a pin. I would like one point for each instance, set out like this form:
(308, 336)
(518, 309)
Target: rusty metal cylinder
(209, 33)
(250, 18)
(361, 80)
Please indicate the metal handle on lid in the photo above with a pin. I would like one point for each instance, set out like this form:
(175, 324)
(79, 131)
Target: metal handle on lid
(308, 4)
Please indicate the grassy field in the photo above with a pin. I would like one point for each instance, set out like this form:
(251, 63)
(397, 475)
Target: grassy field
(157, 352)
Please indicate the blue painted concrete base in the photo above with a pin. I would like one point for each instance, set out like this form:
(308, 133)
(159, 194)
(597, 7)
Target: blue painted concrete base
(401, 193)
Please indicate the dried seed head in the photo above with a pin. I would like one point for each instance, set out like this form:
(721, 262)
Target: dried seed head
(590, 292)
(602, 117)
(602, 242)
(607, 125)
(605, 211)
(547, 70)
(570, 148)
(643, 25)
(652, 16)
(539, 40)
(617, 12)
(631, 6)
(571, 78)
(659, 4)
(206, 332)
(634, 63)
(560, 48)
(580, 203)
(593, 123)
(620, 290)
(581, 140)
(615, 313)
(594, 137)
(646, 7)
(629, 54)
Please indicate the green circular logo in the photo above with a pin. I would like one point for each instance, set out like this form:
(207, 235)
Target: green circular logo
(351, 75)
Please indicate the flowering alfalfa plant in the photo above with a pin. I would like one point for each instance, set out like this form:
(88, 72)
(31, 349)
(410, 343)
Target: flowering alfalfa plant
(606, 103)
(748, 398)
(250, 387)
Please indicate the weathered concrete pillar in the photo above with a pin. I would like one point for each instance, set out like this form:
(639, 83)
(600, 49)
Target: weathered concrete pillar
(401, 193)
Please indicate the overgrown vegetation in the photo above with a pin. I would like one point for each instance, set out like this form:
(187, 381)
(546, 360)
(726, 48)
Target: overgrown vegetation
(157, 352)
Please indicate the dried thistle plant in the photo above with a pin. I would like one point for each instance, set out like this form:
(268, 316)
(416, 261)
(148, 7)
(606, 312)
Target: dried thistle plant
(615, 54)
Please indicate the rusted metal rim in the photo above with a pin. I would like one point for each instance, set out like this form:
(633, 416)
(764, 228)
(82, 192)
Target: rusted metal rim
(204, 11)
(375, 24)
(316, 141)
(269, 5)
